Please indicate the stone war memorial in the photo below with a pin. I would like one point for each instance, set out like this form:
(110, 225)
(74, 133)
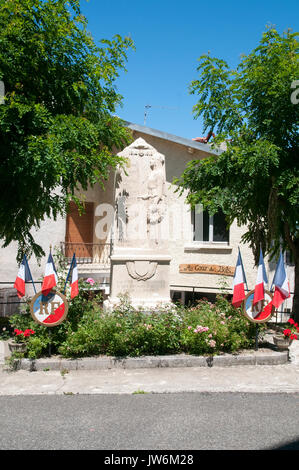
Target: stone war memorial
(140, 260)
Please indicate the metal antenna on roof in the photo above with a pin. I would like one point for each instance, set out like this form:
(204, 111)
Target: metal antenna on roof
(148, 106)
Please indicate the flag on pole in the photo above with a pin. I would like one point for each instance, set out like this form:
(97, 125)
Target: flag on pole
(238, 283)
(23, 276)
(50, 279)
(74, 280)
(281, 283)
(259, 290)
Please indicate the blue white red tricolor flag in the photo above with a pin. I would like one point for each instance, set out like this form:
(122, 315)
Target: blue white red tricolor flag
(281, 283)
(239, 282)
(50, 278)
(74, 280)
(261, 280)
(23, 276)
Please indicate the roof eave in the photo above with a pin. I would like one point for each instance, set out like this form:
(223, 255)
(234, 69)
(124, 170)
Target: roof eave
(173, 138)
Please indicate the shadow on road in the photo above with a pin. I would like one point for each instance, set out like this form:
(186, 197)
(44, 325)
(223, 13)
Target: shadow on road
(294, 445)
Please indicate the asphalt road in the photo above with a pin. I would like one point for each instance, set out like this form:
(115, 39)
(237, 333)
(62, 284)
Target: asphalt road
(174, 421)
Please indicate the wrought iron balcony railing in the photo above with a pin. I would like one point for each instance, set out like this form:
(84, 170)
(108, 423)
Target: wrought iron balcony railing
(98, 253)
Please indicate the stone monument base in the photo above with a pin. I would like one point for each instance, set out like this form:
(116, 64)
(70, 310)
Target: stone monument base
(143, 278)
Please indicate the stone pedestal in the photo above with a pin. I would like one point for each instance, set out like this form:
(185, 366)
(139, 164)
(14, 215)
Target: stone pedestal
(145, 279)
(140, 260)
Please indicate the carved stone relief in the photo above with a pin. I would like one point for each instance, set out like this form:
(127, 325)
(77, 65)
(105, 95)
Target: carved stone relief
(140, 191)
(141, 270)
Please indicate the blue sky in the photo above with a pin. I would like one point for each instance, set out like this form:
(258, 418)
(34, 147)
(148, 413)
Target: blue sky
(169, 37)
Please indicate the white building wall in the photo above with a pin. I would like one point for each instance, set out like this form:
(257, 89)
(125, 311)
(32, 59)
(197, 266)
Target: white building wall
(182, 249)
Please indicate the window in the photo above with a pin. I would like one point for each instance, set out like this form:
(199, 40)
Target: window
(209, 228)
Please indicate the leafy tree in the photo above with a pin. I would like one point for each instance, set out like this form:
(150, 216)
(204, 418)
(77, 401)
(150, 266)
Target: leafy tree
(57, 129)
(255, 181)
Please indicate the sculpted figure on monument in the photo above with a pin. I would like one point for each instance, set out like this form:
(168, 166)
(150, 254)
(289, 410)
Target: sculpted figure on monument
(156, 191)
(140, 262)
(140, 194)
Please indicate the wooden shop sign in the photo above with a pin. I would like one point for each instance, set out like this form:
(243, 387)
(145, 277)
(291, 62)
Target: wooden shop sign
(207, 269)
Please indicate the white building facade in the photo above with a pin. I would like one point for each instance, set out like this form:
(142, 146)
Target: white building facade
(202, 249)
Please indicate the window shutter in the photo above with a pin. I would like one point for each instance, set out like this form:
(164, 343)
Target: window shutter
(79, 231)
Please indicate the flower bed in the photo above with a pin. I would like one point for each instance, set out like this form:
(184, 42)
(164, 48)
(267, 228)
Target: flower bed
(205, 329)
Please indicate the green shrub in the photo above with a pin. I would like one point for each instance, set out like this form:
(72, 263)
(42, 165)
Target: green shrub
(204, 329)
(5, 328)
(213, 328)
(38, 344)
(124, 332)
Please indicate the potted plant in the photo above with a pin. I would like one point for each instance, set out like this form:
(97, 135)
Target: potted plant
(284, 339)
(18, 344)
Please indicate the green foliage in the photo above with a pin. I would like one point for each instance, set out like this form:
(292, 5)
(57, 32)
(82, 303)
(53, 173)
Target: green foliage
(13, 360)
(88, 331)
(5, 328)
(255, 181)
(38, 344)
(57, 129)
(127, 332)
(213, 328)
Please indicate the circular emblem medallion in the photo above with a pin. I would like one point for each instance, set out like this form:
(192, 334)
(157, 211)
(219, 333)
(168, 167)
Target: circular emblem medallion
(261, 311)
(49, 310)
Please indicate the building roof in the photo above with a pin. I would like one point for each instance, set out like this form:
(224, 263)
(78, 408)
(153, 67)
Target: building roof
(174, 138)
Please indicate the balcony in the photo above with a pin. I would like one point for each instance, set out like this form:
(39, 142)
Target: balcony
(88, 253)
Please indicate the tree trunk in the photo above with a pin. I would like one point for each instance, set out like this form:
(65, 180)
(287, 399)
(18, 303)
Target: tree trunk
(295, 310)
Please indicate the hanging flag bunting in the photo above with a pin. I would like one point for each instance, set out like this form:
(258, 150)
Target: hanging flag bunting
(238, 283)
(281, 283)
(261, 280)
(74, 280)
(50, 279)
(23, 276)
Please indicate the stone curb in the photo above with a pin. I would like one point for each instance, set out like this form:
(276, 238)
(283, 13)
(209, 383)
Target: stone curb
(145, 362)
